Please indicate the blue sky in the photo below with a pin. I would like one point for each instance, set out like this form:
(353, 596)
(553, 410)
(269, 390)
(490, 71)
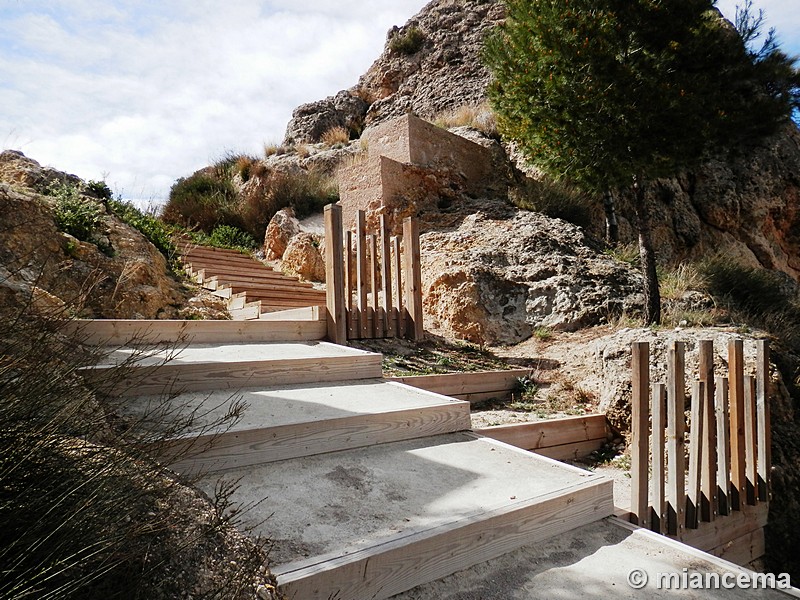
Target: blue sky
(142, 92)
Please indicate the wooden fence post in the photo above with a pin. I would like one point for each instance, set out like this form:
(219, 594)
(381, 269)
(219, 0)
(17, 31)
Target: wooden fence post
(676, 461)
(334, 275)
(361, 271)
(736, 407)
(750, 433)
(397, 243)
(723, 447)
(658, 517)
(763, 420)
(349, 270)
(374, 311)
(413, 278)
(640, 425)
(708, 483)
(696, 436)
(386, 278)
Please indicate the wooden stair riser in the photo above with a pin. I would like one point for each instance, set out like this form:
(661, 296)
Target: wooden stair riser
(287, 287)
(149, 333)
(174, 377)
(271, 444)
(385, 570)
(258, 273)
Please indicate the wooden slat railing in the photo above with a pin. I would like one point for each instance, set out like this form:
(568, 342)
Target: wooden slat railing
(365, 273)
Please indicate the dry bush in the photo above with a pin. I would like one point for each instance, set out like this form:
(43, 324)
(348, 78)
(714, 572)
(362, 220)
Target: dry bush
(479, 117)
(335, 135)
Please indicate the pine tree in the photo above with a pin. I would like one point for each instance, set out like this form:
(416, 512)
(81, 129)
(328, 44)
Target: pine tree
(613, 93)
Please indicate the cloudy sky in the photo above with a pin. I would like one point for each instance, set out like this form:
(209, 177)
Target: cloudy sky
(141, 92)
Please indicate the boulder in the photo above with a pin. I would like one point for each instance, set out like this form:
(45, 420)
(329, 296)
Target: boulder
(281, 229)
(495, 280)
(303, 257)
(310, 121)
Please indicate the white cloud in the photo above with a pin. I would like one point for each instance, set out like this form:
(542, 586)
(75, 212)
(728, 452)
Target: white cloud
(146, 92)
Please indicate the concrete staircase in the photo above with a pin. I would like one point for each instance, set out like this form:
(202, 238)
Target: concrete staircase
(367, 488)
(251, 288)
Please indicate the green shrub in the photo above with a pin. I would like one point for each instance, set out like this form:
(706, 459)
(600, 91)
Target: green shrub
(408, 42)
(227, 236)
(554, 199)
(99, 189)
(78, 216)
(200, 200)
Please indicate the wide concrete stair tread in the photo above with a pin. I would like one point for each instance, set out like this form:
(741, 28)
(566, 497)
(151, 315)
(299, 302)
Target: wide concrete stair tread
(591, 562)
(291, 421)
(197, 367)
(373, 522)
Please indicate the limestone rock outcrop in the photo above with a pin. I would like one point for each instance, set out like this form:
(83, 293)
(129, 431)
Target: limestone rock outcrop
(280, 231)
(303, 257)
(52, 269)
(310, 121)
(495, 280)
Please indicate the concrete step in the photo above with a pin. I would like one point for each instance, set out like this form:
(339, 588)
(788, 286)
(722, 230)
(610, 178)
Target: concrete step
(373, 522)
(291, 421)
(594, 562)
(228, 366)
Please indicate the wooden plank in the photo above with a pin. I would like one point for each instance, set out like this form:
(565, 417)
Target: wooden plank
(640, 424)
(546, 434)
(676, 460)
(389, 324)
(723, 446)
(736, 410)
(456, 384)
(743, 550)
(696, 437)
(658, 515)
(708, 476)
(361, 272)
(241, 448)
(377, 324)
(185, 377)
(721, 531)
(413, 275)
(349, 261)
(750, 433)
(397, 242)
(575, 451)
(764, 430)
(428, 554)
(114, 332)
(334, 275)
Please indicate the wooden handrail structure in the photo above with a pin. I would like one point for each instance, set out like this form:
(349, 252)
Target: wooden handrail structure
(729, 457)
(374, 280)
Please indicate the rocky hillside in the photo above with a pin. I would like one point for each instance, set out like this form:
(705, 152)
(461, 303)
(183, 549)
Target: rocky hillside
(118, 273)
(744, 207)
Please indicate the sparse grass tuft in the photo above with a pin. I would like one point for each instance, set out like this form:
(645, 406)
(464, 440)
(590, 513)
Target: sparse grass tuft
(554, 199)
(627, 253)
(674, 284)
(479, 117)
(335, 136)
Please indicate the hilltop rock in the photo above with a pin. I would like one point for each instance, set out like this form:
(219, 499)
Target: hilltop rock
(310, 121)
(495, 280)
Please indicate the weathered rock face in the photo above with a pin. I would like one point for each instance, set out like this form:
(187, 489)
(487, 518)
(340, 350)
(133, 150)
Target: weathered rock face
(303, 257)
(747, 208)
(310, 121)
(54, 269)
(495, 280)
(281, 229)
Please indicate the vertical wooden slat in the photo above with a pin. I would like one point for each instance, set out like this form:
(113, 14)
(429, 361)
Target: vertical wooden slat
(695, 455)
(723, 446)
(736, 409)
(334, 275)
(398, 277)
(373, 312)
(361, 272)
(349, 266)
(640, 423)
(413, 266)
(658, 518)
(764, 440)
(389, 324)
(676, 423)
(708, 475)
(750, 433)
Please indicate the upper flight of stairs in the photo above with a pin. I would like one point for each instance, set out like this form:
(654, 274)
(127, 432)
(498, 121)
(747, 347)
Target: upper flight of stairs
(366, 488)
(250, 287)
